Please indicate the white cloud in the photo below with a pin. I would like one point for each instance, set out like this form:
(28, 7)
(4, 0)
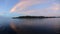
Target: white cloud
(52, 10)
(54, 7)
(24, 4)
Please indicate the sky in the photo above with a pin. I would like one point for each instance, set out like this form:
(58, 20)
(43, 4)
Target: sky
(12, 8)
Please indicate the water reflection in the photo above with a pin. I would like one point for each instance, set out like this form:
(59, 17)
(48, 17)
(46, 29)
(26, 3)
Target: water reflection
(30, 26)
(50, 25)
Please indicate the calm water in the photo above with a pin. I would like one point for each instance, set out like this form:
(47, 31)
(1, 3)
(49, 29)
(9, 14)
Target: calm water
(50, 24)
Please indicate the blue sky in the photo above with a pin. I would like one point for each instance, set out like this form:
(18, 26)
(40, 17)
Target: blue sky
(10, 8)
(5, 6)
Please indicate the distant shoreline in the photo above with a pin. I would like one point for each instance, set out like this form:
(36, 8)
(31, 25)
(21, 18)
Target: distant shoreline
(34, 17)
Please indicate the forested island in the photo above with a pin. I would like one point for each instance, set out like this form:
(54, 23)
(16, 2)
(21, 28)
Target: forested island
(35, 17)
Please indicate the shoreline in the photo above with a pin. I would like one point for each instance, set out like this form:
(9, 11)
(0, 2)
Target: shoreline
(41, 17)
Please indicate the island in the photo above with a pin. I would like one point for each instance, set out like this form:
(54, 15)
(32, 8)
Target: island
(35, 17)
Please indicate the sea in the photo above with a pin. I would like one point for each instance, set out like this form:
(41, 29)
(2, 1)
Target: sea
(30, 26)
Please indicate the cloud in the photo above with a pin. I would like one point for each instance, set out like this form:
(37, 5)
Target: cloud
(50, 11)
(24, 4)
(54, 7)
(29, 12)
(20, 8)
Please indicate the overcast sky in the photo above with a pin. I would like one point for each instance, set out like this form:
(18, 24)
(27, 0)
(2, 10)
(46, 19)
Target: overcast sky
(10, 8)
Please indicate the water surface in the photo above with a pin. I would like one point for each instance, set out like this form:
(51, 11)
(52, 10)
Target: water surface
(47, 25)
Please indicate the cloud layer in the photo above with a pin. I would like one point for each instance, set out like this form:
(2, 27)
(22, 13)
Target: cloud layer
(22, 8)
(22, 5)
